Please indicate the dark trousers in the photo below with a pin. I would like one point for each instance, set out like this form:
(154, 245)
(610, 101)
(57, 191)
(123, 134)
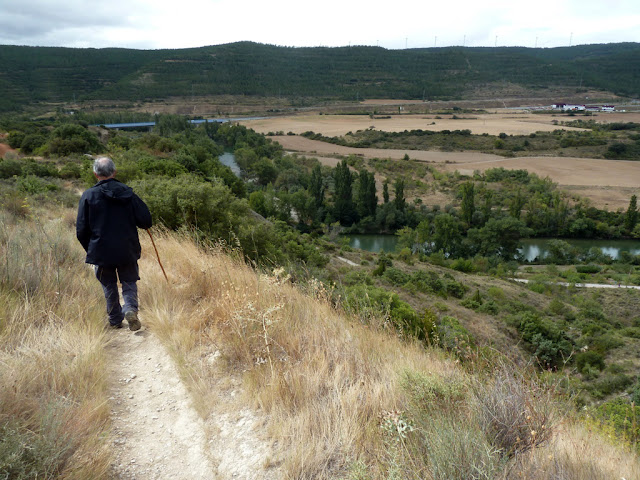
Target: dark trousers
(128, 276)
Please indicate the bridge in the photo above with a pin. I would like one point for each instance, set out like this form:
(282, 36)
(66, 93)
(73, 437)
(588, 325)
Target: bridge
(118, 126)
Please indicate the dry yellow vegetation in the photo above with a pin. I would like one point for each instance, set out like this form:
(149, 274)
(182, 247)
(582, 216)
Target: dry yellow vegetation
(339, 396)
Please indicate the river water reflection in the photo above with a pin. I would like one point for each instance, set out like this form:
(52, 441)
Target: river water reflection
(532, 248)
(229, 159)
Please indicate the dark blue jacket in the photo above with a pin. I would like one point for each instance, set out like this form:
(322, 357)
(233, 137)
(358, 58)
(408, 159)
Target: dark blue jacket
(108, 216)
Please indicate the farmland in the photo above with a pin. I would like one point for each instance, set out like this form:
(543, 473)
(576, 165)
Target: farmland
(607, 183)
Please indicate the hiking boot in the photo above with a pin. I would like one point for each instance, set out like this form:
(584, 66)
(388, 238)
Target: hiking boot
(132, 319)
(111, 326)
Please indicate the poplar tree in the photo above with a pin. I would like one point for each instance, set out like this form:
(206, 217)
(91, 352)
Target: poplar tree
(399, 201)
(367, 199)
(631, 217)
(385, 191)
(343, 208)
(468, 202)
(316, 186)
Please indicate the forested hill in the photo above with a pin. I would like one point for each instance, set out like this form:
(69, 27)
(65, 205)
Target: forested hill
(52, 74)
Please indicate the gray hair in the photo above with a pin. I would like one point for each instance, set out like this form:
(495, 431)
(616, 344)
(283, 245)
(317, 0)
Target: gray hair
(104, 167)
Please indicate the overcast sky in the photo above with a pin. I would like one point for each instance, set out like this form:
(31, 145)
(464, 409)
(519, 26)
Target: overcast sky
(153, 24)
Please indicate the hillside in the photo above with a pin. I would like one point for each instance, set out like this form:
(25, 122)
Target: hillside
(330, 395)
(31, 75)
(309, 358)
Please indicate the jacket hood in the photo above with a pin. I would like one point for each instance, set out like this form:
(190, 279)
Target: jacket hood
(114, 190)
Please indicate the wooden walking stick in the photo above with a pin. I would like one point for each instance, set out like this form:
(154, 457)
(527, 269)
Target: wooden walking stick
(157, 255)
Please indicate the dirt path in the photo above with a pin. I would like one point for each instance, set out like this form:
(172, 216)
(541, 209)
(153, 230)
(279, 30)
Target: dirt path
(157, 433)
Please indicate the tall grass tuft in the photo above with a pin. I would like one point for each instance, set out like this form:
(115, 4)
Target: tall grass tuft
(516, 412)
(53, 396)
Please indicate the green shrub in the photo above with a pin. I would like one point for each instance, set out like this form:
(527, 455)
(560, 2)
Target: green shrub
(631, 332)
(453, 336)
(606, 342)
(10, 168)
(395, 277)
(609, 384)
(622, 416)
(548, 343)
(29, 453)
(470, 303)
(490, 307)
(588, 268)
(465, 265)
(456, 289)
(557, 307)
(588, 359)
(428, 282)
(496, 292)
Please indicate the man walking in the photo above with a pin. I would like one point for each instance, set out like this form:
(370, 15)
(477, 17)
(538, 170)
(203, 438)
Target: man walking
(108, 217)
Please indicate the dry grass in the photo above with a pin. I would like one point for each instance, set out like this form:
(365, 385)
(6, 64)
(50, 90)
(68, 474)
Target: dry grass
(341, 399)
(52, 386)
(321, 380)
(576, 453)
(338, 398)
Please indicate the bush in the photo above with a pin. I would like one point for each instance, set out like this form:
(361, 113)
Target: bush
(453, 336)
(465, 265)
(516, 413)
(395, 277)
(26, 454)
(456, 289)
(549, 344)
(489, 307)
(428, 282)
(622, 416)
(10, 168)
(587, 359)
(609, 384)
(588, 268)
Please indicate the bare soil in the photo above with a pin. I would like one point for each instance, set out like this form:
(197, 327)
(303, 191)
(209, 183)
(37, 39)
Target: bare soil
(156, 431)
(4, 148)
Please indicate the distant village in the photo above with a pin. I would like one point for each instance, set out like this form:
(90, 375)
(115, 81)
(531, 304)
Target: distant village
(569, 107)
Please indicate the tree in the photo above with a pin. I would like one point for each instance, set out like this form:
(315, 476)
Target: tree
(343, 208)
(631, 217)
(499, 237)
(367, 199)
(316, 186)
(447, 234)
(488, 204)
(399, 200)
(468, 203)
(385, 191)
(516, 204)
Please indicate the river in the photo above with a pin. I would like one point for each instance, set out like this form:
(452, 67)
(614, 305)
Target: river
(229, 159)
(532, 248)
